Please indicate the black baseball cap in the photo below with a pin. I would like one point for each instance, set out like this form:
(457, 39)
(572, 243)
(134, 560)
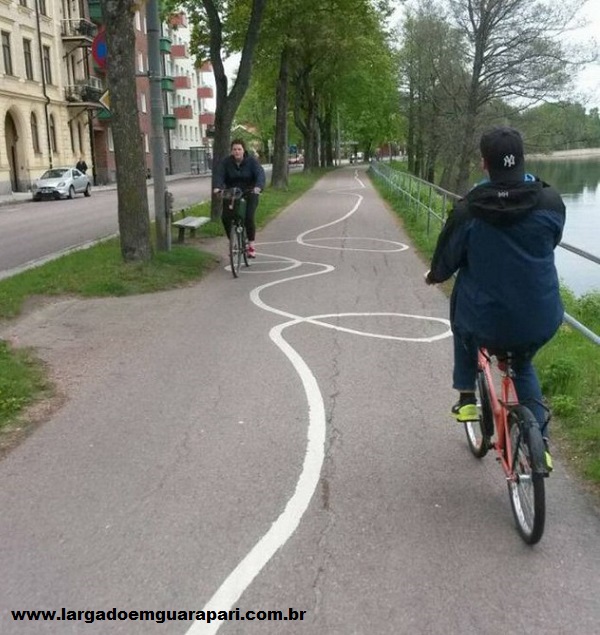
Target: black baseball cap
(502, 149)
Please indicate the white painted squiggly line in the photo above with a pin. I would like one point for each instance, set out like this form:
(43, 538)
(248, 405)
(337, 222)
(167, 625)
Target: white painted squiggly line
(284, 526)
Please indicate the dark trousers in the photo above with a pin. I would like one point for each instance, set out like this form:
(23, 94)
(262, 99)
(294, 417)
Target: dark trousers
(525, 378)
(251, 205)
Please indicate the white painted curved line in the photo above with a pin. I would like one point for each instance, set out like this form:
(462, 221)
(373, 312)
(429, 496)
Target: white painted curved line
(284, 526)
(400, 246)
(300, 238)
(279, 532)
(317, 320)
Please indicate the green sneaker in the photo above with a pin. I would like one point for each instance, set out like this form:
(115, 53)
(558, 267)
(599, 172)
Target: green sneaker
(466, 412)
(547, 455)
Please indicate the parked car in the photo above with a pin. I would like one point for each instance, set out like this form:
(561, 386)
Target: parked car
(61, 183)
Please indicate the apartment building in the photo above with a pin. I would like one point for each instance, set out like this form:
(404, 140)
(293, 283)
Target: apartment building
(47, 94)
(188, 137)
(50, 87)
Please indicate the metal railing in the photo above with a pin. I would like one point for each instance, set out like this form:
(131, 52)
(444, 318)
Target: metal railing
(423, 196)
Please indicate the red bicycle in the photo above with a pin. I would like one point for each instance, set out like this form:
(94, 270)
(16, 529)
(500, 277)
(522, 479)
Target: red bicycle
(510, 429)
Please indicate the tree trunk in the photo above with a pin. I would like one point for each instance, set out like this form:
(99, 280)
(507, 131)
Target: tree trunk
(227, 104)
(279, 175)
(133, 212)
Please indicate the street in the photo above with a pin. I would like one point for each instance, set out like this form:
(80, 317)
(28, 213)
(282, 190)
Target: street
(273, 443)
(30, 231)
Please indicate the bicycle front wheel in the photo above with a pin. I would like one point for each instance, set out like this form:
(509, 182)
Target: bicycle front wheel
(235, 254)
(479, 431)
(526, 484)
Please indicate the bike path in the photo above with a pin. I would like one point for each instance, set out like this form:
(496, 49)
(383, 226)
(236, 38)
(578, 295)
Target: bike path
(281, 440)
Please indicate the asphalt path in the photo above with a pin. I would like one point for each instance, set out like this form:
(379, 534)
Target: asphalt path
(278, 441)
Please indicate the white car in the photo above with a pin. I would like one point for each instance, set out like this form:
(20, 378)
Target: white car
(61, 183)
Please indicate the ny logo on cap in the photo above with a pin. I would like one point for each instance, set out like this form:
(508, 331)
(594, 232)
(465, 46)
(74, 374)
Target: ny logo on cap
(509, 160)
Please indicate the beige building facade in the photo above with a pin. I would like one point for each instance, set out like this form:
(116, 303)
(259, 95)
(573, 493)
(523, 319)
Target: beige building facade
(51, 84)
(47, 96)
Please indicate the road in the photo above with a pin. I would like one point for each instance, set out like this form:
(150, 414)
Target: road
(30, 231)
(280, 440)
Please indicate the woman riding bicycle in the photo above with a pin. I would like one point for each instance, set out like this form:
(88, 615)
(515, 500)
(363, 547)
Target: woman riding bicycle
(241, 170)
(501, 239)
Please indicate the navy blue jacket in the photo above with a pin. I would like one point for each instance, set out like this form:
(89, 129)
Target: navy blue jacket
(247, 175)
(501, 239)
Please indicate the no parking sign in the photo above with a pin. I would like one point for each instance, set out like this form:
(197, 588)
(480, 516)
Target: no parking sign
(99, 49)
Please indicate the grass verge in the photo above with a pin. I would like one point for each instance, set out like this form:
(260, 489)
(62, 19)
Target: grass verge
(99, 272)
(568, 366)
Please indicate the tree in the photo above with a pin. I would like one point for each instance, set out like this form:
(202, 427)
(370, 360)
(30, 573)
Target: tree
(513, 54)
(432, 69)
(221, 27)
(133, 213)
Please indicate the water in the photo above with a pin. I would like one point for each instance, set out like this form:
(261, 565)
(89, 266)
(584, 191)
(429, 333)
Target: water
(578, 181)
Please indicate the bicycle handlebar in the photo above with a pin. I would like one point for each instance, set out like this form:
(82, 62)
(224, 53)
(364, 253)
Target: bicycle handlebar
(231, 192)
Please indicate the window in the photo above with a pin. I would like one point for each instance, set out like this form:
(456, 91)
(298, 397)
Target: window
(28, 58)
(143, 102)
(72, 137)
(8, 69)
(140, 62)
(46, 63)
(42, 7)
(80, 135)
(146, 144)
(35, 138)
(138, 25)
(111, 143)
(52, 131)
(23, 3)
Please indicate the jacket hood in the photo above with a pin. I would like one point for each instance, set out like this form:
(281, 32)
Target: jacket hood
(503, 204)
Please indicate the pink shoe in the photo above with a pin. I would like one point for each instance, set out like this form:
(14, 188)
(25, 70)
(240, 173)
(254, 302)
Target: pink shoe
(251, 252)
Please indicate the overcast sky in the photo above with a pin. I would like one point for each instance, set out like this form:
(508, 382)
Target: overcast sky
(589, 79)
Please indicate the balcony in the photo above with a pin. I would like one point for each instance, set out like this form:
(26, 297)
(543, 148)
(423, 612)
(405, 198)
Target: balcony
(205, 92)
(103, 115)
(84, 92)
(183, 112)
(169, 122)
(168, 84)
(79, 32)
(178, 19)
(95, 11)
(206, 67)
(165, 45)
(183, 82)
(179, 51)
(207, 119)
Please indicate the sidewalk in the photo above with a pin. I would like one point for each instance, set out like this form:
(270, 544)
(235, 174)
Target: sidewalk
(24, 197)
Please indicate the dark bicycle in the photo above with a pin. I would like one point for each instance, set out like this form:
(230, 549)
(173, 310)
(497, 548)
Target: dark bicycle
(234, 206)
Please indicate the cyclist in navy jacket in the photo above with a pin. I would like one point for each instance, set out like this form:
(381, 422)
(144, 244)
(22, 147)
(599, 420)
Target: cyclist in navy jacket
(242, 170)
(500, 239)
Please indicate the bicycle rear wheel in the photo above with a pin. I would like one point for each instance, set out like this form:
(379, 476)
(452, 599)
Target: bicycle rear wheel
(481, 430)
(235, 254)
(526, 487)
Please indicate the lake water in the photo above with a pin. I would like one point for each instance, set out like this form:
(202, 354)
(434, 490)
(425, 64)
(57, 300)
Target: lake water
(578, 181)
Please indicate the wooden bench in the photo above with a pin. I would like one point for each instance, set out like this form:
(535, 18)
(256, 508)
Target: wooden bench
(189, 222)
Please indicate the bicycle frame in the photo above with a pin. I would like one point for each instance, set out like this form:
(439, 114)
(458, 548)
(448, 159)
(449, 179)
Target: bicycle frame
(500, 408)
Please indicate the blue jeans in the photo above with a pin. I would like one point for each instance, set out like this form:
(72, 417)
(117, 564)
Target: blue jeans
(525, 378)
